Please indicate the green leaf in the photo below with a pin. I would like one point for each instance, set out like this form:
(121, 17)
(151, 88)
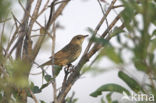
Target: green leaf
(47, 77)
(109, 87)
(118, 38)
(152, 46)
(127, 16)
(151, 59)
(154, 33)
(100, 40)
(4, 8)
(151, 13)
(111, 54)
(42, 101)
(91, 31)
(116, 31)
(102, 100)
(95, 70)
(108, 97)
(57, 69)
(17, 70)
(139, 64)
(44, 85)
(130, 82)
(131, 9)
(1, 96)
(114, 101)
(71, 99)
(36, 89)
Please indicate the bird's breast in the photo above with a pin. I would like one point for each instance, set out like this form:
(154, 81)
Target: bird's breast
(75, 52)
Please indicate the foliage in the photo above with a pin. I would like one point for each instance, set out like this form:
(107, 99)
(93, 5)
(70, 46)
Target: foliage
(109, 87)
(143, 47)
(4, 8)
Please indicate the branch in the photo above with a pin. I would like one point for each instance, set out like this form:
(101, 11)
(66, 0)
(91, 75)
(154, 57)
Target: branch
(117, 6)
(23, 31)
(34, 15)
(41, 39)
(5, 20)
(28, 13)
(44, 8)
(57, 13)
(53, 69)
(99, 25)
(33, 96)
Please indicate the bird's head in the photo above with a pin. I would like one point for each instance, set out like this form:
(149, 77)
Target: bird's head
(78, 39)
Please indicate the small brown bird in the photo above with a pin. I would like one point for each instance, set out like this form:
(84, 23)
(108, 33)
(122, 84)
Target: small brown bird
(69, 53)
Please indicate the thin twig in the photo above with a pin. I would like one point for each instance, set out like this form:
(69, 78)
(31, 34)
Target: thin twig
(2, 34)
(53, 51)
(37, 35)
(34, 15)
(103, 12)
(99, 25)
(60, 2)
(57, 13)
(29, 13)
(15, 19)
(14, 35)
(53, 69)
(5, 20)
(44, 8)
(117, 6)
(33, 96)
(43, 70)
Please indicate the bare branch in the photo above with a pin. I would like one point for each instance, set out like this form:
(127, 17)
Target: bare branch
(35, 14)
(103, 12)
(2, 35)
(2, 21)
(40, 40)
(44, 8)
(53, 69)
(57, 13)
(117, 6)
(28, 13)
(99, 25)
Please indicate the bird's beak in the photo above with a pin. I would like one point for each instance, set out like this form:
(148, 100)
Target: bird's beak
(85, 35)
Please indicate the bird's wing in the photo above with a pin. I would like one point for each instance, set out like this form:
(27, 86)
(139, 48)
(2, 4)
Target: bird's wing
(63, 53)
(67, 55)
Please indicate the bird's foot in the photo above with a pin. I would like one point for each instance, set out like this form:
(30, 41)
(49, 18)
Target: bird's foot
(69, 68)
(66, 70)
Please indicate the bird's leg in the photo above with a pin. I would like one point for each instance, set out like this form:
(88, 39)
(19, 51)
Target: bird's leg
(71, 68)
(66, 69)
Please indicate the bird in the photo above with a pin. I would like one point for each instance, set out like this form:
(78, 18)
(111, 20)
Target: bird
(68, 54)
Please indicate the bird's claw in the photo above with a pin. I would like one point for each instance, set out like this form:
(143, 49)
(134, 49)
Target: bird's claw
(69, 68)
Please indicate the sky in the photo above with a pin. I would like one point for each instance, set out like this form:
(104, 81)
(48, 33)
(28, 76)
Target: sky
(76, 18)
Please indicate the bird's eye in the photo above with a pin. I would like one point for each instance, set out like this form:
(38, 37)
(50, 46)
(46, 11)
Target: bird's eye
(78, 37)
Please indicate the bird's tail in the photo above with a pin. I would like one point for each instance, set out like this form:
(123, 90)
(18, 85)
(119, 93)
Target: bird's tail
(46, 63)
(56, 70)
